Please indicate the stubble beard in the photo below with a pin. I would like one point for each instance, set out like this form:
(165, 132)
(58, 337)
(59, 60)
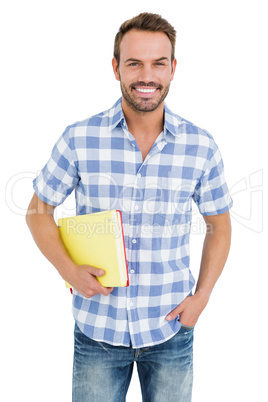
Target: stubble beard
(143, 105)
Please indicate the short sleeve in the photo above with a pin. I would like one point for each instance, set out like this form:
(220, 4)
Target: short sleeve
(211, 193)
(59, 176)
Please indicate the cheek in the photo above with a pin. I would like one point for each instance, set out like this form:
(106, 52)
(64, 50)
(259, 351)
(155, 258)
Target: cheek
(163, 75)
(127, 78)
(168, 78)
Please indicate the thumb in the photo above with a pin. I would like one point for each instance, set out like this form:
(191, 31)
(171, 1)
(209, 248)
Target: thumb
(174, 313)
(95, 271)
(100, 272)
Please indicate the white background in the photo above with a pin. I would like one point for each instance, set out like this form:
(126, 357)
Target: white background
(55, 70)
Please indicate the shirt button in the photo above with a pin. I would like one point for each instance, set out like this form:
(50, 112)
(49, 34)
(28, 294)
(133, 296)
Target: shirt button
(131, 304)
(132, 271)
(136, 207)
(134, 241)
(138, 175)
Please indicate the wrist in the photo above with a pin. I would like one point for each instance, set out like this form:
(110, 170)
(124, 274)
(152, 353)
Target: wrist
(202, 295)
(67, 270)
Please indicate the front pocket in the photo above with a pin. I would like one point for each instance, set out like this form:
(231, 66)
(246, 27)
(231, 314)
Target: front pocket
(184, 329)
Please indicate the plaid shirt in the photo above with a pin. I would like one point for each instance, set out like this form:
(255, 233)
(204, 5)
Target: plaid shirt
(100, 160)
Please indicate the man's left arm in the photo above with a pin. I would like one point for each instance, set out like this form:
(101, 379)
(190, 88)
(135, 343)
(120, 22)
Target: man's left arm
(215, 252)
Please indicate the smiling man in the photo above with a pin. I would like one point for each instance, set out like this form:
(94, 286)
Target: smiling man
(144, 94)
(151, 164)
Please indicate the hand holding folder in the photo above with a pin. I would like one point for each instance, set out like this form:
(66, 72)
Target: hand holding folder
(98, 240)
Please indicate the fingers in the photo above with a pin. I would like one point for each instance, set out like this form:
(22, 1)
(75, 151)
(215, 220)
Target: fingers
(89, 285)
(106, 291)
(99, 288)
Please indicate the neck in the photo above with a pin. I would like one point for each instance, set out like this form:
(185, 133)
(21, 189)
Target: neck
(144, 123)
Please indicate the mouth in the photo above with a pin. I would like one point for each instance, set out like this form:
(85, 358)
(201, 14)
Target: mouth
(145, 92)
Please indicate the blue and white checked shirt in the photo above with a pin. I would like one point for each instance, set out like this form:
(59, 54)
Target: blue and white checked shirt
(100, 160)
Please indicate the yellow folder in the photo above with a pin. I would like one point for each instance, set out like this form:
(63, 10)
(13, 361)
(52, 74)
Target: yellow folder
(97, 239)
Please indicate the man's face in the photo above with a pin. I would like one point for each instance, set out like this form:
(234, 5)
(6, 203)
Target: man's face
(145, 69)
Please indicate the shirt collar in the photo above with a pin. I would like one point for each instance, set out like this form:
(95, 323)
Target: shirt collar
(116, 117)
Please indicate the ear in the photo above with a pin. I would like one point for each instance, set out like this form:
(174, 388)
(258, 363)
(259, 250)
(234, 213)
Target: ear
(173, 68)
(116, 69)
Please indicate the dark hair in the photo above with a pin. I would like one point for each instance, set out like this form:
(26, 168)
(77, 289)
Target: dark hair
(145, 22)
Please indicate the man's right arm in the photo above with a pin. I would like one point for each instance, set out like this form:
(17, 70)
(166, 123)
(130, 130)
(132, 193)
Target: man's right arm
(45, 232)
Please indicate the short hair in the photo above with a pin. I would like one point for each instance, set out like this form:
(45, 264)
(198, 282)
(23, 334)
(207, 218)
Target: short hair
(145, 22)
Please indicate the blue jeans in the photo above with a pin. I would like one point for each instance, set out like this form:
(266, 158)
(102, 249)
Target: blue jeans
(102, 372)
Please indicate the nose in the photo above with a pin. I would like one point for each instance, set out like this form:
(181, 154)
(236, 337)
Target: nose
(146, 73)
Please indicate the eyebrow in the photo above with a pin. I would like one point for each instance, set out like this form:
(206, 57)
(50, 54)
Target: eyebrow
(162, 59)
(137, 60)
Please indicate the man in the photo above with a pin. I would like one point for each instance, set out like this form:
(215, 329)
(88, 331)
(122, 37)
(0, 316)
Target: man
(140, 158)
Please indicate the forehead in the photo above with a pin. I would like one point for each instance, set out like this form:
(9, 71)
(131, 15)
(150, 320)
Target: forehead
(144, 45)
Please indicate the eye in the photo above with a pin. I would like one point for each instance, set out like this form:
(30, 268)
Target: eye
(133, 64)
(159, 64)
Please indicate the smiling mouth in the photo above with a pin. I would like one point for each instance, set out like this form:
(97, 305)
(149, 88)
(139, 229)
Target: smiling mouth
(146, 91)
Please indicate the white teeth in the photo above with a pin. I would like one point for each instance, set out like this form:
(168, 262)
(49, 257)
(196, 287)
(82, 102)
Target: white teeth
(145, 91)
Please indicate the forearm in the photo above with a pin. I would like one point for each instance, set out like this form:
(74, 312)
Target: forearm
(46, 235)
(215, 252)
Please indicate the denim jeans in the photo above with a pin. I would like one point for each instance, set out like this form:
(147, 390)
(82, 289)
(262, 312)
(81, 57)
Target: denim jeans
(102, 372)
